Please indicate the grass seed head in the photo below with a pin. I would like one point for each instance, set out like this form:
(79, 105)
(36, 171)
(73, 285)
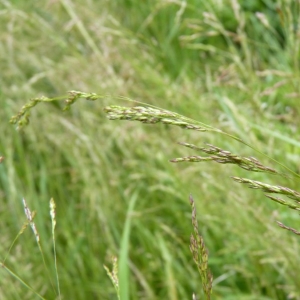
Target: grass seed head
(149, 115)
(113, 275)
(225, 157)
(200, 254)
(277, 189)
(288, 228)
(30, 216)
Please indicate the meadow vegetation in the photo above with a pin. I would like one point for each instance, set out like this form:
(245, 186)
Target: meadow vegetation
(121, 188)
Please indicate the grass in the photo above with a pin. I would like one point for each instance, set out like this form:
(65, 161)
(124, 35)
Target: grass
(218, 64)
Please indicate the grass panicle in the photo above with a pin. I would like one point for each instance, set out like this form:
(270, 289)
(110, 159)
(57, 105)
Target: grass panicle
(288, 228)
(150, 115)
(22, 118)
(75, 95)
(200, 254)
(113, 275)
(284, 202)
(276, 189)
(153, 115)
(233, 64)
(30, 216)
(225, 157)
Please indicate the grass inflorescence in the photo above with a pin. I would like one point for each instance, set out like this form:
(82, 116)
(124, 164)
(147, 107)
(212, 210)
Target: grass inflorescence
(232, 65)
(225, 157)
(30, 216)
(200, 254)
(275, 189)
(23, 116)
(113, 275)
(154, 115)
(151, 116)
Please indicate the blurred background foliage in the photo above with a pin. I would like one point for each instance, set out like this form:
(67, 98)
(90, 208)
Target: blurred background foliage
(230, 64)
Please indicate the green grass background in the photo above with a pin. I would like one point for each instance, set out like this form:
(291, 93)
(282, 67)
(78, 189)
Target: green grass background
(214, 61)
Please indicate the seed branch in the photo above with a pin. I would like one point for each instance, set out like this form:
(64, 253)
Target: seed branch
(225, 157)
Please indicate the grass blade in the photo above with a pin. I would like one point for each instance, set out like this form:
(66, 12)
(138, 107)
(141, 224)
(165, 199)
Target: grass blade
(123, 256)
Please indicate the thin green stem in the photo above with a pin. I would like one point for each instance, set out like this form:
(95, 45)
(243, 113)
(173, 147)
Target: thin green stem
(21, 280)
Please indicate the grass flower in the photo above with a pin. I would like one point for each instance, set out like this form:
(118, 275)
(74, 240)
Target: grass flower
(200, 254)
(225, 157)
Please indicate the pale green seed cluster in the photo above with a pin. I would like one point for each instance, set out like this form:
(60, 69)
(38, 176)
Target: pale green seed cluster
(200, 254)
(22, 117)
(149, 115)
(113, 275)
